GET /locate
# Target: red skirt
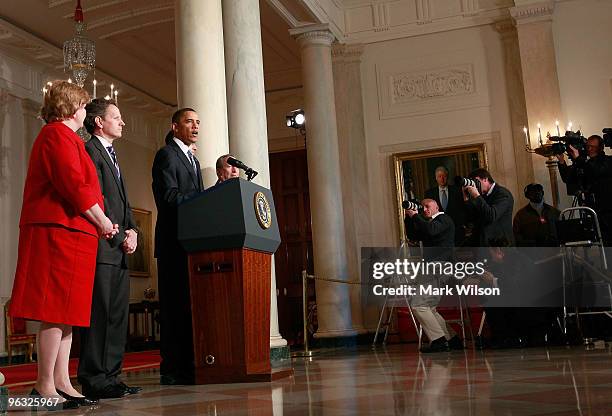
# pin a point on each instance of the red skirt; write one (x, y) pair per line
(55, 274)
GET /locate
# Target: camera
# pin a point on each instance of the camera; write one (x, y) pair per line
(411, 205)
(462, 182)
(575, 139)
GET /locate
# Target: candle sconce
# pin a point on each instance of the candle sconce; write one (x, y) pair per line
(554, 145)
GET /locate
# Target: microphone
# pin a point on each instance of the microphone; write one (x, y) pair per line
(251, 173)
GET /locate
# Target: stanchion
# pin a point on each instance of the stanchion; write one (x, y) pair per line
(307, 351)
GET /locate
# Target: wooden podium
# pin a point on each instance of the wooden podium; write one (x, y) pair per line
(230, 233)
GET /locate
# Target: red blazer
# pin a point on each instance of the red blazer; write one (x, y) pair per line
(62, 182)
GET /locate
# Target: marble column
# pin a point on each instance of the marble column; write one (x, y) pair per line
(326, 203)
(539, 67)
(353, 167)
(246, 106)
(200, 73)
(516, 100)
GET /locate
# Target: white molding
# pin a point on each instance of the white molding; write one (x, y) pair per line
(130, 14)
(285, 14)
(432, 84)
(533, 12)
(424, 26)
(315, 8)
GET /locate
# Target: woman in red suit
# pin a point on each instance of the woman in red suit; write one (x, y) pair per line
(62, 218)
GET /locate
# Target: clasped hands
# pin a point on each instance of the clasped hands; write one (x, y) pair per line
(108, 230)
(131, 241)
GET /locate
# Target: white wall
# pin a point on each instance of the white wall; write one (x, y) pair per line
(401, 123)
(583, 35)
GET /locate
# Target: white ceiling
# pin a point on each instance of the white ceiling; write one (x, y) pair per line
(135, 38)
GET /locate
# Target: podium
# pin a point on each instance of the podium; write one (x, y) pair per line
(230, 233)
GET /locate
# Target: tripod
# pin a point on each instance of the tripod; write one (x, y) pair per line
(389, 305)
(575, 233)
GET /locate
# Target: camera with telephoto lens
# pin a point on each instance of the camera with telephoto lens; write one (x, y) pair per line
(562, 143)
(413, 205)
(463, 182)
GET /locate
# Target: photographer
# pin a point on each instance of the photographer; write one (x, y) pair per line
(434, 228)
(490, 209)
(437, 231)
(591, 173)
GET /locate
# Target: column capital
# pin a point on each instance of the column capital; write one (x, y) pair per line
(504, 27)
(313, 35)
(347, 53)
(533, 12)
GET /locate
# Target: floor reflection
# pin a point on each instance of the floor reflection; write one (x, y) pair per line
(396, 381)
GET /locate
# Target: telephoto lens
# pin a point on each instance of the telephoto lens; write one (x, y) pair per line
(462, 182)
(412, 205)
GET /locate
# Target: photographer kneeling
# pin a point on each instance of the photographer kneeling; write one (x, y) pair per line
(591, 174)
(437, 232)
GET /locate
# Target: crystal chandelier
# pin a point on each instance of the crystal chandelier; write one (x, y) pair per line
(79, 52)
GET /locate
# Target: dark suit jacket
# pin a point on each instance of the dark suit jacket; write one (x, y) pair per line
(439, 232)
(455, 207)
(532, 230)
(116, 204)
(492, 216)
(437, 235)
(174, 182)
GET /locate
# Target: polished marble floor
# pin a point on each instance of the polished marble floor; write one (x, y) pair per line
(397, 381)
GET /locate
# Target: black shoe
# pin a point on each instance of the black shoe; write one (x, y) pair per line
(437, 345)
(455, 343)
(131, 389)
(65, 405)
(112, 391)
(82, 401)
(175, 380)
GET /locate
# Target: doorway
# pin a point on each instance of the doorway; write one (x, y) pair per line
(289, 183)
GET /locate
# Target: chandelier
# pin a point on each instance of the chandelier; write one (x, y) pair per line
(79, 52)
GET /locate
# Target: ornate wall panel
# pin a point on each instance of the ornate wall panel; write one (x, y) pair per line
(432, 84)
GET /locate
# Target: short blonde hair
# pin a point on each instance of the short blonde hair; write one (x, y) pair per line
(62, 100)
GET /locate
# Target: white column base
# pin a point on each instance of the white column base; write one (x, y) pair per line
(337, 333)
(277, 341)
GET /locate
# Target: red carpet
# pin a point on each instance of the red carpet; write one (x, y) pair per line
(24, 374)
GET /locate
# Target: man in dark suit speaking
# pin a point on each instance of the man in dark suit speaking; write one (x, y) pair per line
(437, 232)
(450, 201)
(176, 178)
(103, 343)
(490, 209)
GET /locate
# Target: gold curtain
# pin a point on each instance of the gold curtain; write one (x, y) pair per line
(420, 177)
(463, 164)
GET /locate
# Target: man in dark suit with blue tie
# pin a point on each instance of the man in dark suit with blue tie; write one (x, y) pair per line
(176, 178)
(103, 343)
(450, 201)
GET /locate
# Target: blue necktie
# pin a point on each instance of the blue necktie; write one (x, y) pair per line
(443, 199)
(111, 151)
